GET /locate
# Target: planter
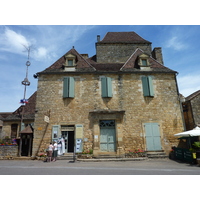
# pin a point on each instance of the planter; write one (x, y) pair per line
(85, 156)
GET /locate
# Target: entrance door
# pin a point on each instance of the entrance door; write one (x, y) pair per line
(107, 136)
(152, 136)
(69, 141)
(26, 144)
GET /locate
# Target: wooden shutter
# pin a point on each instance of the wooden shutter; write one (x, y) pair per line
(103, 87)
(109, 87)
(55, 132)
(145, 86)
(71, 87)
(106, 87)
(68, 87)
(151, 91)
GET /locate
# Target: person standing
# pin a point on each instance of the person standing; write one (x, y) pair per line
(50, 151)
(55, 151)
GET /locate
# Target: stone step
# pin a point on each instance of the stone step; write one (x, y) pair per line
(157, 154)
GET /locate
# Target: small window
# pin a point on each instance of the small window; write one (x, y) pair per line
(70, 62)
(144, 62)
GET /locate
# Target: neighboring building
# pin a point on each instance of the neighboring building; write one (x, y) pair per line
(17, 121)
(191, 110)
(121, 99)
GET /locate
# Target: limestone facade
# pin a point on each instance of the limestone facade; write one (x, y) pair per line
(130, 111)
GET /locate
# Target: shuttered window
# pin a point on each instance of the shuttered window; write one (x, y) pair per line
(68, 87)
(147, 84)
(106, 87)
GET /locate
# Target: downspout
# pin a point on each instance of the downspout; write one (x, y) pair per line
(180, 103)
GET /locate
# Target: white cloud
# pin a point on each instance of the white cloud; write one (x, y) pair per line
(175, 43)
(12, 41)
(188, 84)
(40, 53)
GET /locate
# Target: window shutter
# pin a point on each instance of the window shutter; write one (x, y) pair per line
(106, 87)
(103, 87)
(109, 87)
(55, 132)
(71, 87)
(68, 87)
(145, 86)
(151, 91)
(65, 87)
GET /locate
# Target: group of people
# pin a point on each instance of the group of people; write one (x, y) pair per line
(55, 149)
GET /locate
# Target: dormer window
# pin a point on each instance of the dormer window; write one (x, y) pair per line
(70, 62)
(143, 62)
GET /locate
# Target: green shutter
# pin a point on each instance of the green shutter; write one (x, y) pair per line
(106, 87)
(109, 87)
(55, 132)
(71, 87)
(145, 86)
(151, 91)
(66, 87)
(103, 87)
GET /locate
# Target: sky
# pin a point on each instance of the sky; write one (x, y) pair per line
(180, 48)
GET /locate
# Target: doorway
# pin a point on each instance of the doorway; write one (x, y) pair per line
(107, 136)
(26, 144)
(153, 140)
(69, 141)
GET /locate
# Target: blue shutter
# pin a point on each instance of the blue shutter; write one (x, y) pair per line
(151, 91)
(71, 87)
(109, 87)
(106, 87)
(103, 87)
(145, 86)
(55, 132)
(66, 87)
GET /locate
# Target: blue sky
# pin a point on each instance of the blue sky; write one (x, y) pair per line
(180, 47)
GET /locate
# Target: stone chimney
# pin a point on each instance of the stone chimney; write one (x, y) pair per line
(85, 55)
(98, 38)
(157, 54)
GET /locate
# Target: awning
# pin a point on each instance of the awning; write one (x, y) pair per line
(191, 133)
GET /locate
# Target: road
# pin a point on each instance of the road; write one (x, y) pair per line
(65, 167)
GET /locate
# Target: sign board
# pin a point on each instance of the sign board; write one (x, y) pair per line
(46, 119)
(79, 131)
(79, 145)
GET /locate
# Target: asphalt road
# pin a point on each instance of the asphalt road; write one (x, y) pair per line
(65, 167)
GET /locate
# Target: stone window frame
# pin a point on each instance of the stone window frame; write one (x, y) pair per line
(70, 57)
(143, 57)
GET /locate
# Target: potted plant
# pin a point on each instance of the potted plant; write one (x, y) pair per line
(197, 147)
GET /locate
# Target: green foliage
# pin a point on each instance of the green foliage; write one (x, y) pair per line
(196, 144)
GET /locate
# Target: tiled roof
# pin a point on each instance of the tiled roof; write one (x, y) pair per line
(29, 110)
(81, 63)
(123, 37)
(193, 95)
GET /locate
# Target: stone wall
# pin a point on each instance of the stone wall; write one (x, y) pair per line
(195, 103)
(128, 107)
(8, 152)
(118, 53)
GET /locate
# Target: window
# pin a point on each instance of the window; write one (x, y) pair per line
(14, 128)
(70, 62)
(147, 84)
(68, 87)
(144, 62)
(106, 87)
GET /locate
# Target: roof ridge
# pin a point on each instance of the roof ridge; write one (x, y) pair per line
(130, 58)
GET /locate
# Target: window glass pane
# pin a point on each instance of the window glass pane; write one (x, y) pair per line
(144, 62)
(70, 62)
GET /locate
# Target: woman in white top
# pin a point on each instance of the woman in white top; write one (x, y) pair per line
(50, 151)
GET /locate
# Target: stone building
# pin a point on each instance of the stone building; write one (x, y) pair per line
(121, 99)
(191, 110)
(13, 125)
